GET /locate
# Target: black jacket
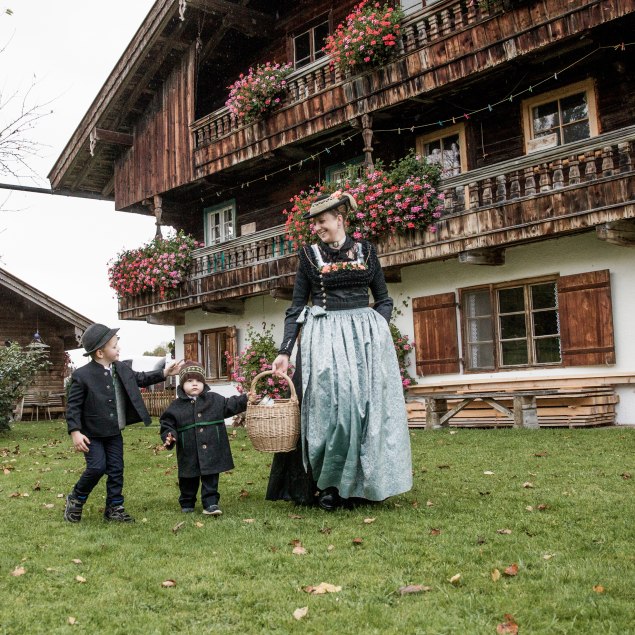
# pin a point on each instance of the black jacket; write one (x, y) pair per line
(335, 291)
(91, 406)
(202, 445)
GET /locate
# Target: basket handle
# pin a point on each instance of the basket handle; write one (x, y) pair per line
(252, 390)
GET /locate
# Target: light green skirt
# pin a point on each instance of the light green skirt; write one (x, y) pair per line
(354, 423)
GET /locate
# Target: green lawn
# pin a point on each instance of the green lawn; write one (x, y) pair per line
(565, 497)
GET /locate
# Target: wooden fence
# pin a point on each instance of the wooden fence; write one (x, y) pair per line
(156, 402)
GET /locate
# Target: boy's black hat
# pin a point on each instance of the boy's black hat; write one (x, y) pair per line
(96, 336)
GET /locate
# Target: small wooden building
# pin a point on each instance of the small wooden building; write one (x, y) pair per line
(528, 105)
(28, 316)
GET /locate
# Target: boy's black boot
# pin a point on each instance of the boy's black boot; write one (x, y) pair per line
(73, 509)
(117, 514)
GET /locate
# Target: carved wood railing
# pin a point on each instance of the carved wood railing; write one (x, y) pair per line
(420, 28)
(542, 172)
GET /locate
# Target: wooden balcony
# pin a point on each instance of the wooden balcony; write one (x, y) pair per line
(578, 187)
(443, 44)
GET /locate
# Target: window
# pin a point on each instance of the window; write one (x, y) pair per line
(307, 46)
(214, 345)
(220, 222)
(447, 148)
(352, 169)
(507, 326)
(560, 116)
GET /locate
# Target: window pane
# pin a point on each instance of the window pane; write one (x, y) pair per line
(479, 332)
(574, 108)
(451, 157)
(548, 350)
(481, 355)
(543, 296)
(319, 35)
(514, 352)
(511, 300)
(545, 118)
(478, 303)
(576, 132)
(513, 326)
(546, 323)
(302, 44)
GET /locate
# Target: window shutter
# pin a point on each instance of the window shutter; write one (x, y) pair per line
(190, 347)
(436, 340)
(586, 319)
(230, 334)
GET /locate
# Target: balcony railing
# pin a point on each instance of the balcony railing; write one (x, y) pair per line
(420, 28)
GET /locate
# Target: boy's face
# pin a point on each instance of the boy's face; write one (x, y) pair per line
(193, 387)
(108, 353)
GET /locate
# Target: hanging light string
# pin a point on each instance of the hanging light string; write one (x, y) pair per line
(439, 123)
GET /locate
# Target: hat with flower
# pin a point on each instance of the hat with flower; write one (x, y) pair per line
(328, 202)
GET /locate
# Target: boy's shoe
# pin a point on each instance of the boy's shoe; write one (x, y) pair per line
(212, 510)
(187, 510)
(117, 514)
(73, 509)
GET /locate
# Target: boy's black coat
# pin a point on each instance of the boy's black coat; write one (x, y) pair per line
(91, 406)
(201, 450)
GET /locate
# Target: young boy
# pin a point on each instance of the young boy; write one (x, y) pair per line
(103, 399)
(195, 421)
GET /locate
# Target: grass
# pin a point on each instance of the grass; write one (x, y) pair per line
(576, 564)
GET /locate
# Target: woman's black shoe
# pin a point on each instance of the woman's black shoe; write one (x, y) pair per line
(329, 500)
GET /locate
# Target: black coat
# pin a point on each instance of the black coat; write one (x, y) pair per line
(201, 449)
(91, 406)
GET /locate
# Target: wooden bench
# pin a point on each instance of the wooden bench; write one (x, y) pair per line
(524, 413)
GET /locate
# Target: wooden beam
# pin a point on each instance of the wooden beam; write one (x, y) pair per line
(488, 257)
(243, 19)
(232, 307)
(392, 275)
(619, 232)
(282, 293)
(167, 318)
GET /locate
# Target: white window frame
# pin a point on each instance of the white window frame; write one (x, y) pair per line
(350, 169)
(227, 227)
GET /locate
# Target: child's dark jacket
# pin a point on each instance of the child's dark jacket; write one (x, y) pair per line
(92, 406)
(202, 445)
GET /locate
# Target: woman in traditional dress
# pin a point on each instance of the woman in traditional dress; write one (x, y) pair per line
(354, 444)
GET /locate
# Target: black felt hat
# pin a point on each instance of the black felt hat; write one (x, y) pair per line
(328, 202)
(96, 336)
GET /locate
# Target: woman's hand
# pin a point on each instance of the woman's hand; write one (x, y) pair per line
(280, 364)
(173, 369)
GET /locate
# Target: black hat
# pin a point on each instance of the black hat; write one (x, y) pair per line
(327, 202)
(96, 336)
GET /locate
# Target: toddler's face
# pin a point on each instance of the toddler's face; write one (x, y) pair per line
(110, 350)
(193, 387)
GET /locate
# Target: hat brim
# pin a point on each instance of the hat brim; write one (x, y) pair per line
(329, 204)
(102, 342)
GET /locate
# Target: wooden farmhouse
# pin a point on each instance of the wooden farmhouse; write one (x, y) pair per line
(32, 318)
(528, 282)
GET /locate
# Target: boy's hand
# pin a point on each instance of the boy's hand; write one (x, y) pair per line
(80, 441)
(169, 440)
(173, 368)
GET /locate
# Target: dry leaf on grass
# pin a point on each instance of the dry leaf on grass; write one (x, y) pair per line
(243, 493)
(330, 548)
(504, 532)
(429, 504)
(548, 556)
(528, 485)
(295, 517)
(72, 620)
(166, 584)
(325, 530)
(199, 524)
(496, 575)
(301, 612)
(37, 487)
(322, 588)
(626, 475)
(368, 521)
(455, 579)
(509, 627)
(296, 542)
(413, 588)
(80, 579)
(598, 588)
(435, 532)
(488, 472)
(60, 496)
(542, 507)
(178, 526)
(358, 541)
(249, 520)
(511, 570)
(299, 551)
(76, 561)
(18, 571)
(48, 505)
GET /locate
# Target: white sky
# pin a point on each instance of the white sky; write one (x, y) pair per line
(62, 245)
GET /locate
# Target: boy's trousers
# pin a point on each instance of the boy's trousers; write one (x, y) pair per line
(189, 489)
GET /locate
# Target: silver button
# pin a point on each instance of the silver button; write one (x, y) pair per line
(199, 415)
(204, 447)
(200, 429)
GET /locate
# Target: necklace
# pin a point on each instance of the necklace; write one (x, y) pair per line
(334, 245)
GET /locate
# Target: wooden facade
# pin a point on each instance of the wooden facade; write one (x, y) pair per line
(476, 70)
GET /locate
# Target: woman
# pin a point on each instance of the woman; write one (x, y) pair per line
(355, 442)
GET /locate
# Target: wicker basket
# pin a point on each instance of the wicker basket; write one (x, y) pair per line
(273, 428)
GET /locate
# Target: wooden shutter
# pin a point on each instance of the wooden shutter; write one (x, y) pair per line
(230, 335)
(586, 319)
(436, 340)
(190, 347)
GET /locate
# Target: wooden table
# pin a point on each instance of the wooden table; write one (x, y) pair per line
(524, 413)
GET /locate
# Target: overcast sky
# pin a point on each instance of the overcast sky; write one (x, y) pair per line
(62, 245)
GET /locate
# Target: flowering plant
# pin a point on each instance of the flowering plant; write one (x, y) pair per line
(403, 347)
(258, 91)
(342, 266)
(395, 200)
(368, 39)
(160, 265)
(254, 359)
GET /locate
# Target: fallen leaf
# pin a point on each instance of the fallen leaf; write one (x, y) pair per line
(480, 540)
(488, 472)
(542, 507)
(243, 493)
(509, 627)
(76, 561)
(72, 620)
(429, 504)
(496, 575)
(511, 570)
(198, 523)
(415, 504)
(299, 551)
(300, 613)
(455, 579)
(322, 588)
(166, 584)
(548, 556)
(49, 569)
(14, 495)
(368, 521)
(505, 532)
(435, 532)
(358, 541)
(295, 516)
(48, 505)
(80, 579)
(325, 530)
(330, 548)
(296, 542)
(529, 508)
(178, 526)
(413, 588)
(6, 471)
(37, 487)
(598, 588)
(60, 495)
(273, 549)
(541, 453)
(444, 466)
(453, 432)
(626, 475)
(249, 520)
(18, 571)
(528, 485)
